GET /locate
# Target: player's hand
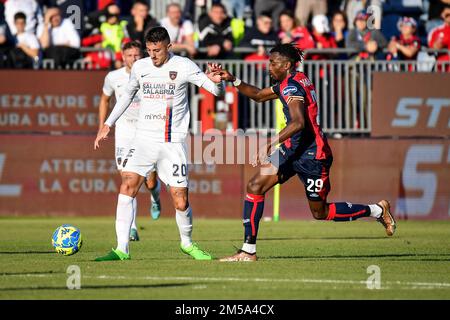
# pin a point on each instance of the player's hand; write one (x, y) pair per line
(213, 72)
(101, 135)
(226, 76)
(262, 157)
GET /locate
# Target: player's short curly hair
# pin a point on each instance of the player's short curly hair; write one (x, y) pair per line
(157, 34)
(290, 51)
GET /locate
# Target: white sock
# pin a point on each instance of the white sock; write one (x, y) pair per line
(133, 225)
(184, 222)
(375, 210)
(249, 248)
(124, 219)
(154, 193)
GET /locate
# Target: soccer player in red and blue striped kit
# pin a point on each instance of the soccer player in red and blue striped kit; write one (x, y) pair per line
(304, 151)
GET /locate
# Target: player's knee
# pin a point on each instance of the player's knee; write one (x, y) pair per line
(254, 187)
(181, 204)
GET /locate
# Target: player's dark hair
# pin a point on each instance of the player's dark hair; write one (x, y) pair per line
(157, 34)
(132, 44)
(290, 51)
(20, 15)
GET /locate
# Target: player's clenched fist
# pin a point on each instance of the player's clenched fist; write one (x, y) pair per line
(101, 135)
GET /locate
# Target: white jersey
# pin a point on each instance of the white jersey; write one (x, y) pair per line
(116, 82)
(164, 111)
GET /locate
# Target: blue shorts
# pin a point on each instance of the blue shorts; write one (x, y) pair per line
(313, 173)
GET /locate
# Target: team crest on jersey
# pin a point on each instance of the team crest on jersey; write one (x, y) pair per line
(289, 90)
(173, 74)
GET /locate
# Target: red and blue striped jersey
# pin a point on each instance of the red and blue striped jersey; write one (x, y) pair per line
(311, 139)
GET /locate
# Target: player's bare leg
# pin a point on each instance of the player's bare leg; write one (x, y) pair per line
(154, 186)
(344, 211)
(131, 182)
(183, 215)
(134, 236)
(257, 187)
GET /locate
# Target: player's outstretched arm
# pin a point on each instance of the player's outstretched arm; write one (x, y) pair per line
(101, 135)
(103, 110)
(254, 93)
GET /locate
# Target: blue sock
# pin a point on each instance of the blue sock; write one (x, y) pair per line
(344, 211)
(253, 211)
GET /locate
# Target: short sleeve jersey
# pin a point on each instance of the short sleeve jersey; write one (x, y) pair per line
(311, 139)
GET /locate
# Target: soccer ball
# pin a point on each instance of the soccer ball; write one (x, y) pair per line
(67, 239)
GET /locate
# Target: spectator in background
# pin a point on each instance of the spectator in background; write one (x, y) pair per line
(235, 8)
(30, 8)
(275, 7)
(114, 33)
(262, 34)
(323, 39)
(439, 37)
(305, 8)
(5, 46)
(140, 20)
(339, 30)
(27, 44)
(59, 38)
(434, 14)
(181, 31)
(368, 43)
(407, 45)
(291, 32)
(353, 7)
(215, 32)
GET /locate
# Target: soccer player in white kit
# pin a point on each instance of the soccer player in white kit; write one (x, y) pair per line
(162, 129)
(115, 83)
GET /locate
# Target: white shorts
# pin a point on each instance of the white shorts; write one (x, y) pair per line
(124, 135)
(168, 158)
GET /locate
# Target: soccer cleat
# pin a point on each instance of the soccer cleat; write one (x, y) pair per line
(114, 255)
(134, 236)
(241, 256)
(195, 252)
(387, 219)
(155, 209)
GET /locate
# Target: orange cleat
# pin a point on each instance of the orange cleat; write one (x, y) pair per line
(241, 256)
(387, 219)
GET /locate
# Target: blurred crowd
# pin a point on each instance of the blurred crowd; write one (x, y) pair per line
(74, 30)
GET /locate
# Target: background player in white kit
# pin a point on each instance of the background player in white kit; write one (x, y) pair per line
(115, 82)
(160, 137)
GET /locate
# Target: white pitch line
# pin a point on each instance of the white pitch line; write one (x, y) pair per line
(423, 285)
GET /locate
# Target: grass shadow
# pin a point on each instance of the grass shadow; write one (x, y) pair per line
(27, 252)
(370, 256)
(96, 287)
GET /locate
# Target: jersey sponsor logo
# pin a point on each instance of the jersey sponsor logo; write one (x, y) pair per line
(153, 116)
(289, 90)
(152, 90)
(173, 75)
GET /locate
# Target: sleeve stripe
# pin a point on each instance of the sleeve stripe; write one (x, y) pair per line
(292, 98)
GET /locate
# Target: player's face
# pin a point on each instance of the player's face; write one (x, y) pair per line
(130, 56)
(278, 66)
(158, 52)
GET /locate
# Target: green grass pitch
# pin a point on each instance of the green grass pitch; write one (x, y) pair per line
(297, 260)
